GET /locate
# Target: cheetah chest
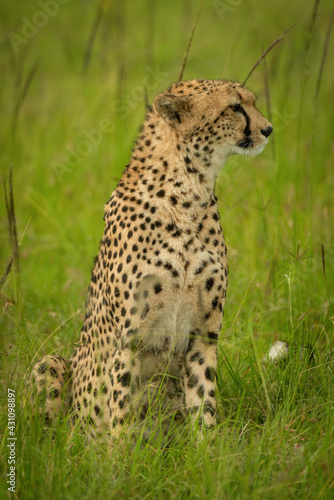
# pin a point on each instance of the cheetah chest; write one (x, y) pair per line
(192, 284)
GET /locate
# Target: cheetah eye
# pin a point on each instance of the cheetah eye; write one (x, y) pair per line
(235, 108)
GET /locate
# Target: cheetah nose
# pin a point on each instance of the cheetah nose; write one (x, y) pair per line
(267, 131)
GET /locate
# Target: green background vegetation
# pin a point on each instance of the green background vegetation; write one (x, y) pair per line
(91, 61)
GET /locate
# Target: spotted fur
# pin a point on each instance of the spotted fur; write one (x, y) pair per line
(157, 293)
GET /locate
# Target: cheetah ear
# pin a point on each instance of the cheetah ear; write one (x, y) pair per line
(173, 108)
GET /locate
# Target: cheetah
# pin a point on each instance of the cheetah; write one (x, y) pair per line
(157, 292)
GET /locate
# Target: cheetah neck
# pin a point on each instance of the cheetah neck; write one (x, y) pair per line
(166, 170)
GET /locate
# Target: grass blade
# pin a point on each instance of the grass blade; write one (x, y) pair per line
(10, 208)
(92, 36)
(323, 59)
(5, 276)
(190, 41)
(324, 269)
(151, 12)
(266, 52)
(305, 73)
(268, 100)
(22, 96)
(11, 218)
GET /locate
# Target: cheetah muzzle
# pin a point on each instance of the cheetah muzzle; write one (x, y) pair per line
(156, 298)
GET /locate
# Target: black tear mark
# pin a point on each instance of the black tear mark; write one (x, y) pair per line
(247, 130)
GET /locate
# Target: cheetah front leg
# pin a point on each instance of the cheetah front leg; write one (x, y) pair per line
(200, 380)
(50, 385)
(124, 383)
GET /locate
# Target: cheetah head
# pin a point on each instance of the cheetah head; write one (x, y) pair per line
(214, 119)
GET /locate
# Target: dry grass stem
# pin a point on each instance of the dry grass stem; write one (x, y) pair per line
(92, 36)
(324, 269)
(22, 96)
(266, 52)
(324, 55)
(189, 43)
(268, 101)
(10, 209)
(5, 276)
(146, 101)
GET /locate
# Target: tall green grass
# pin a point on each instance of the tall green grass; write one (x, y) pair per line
(95, 61)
